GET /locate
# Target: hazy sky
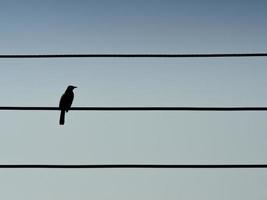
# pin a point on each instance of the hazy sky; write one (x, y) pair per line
(140, 26)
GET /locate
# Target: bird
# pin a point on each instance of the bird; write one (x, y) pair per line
(65, 103)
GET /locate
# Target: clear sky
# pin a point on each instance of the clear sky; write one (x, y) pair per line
(140, 26)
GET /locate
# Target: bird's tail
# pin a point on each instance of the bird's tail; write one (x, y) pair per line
(62, 117)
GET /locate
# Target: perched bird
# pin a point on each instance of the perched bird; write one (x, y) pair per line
(65, 103)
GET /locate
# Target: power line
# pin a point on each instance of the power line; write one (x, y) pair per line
(125, 108)
(136, 166)
(148, 55)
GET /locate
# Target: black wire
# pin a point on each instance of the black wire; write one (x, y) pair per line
(205, 55)
(156, 108)
(136, 166)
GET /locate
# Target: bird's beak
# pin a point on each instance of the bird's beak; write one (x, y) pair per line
(74, 87)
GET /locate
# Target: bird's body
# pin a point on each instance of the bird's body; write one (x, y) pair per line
(65, 103)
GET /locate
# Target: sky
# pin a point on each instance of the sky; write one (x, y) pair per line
(140, 26)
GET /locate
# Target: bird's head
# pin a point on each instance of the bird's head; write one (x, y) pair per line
(71, 87)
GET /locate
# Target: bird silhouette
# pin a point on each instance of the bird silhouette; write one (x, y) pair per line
(65, 103)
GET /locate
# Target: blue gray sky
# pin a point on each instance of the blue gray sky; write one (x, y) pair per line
(34, 137)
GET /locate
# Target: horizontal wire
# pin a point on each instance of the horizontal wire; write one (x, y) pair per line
(156, 108)
(196, 55)
(135, 166)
